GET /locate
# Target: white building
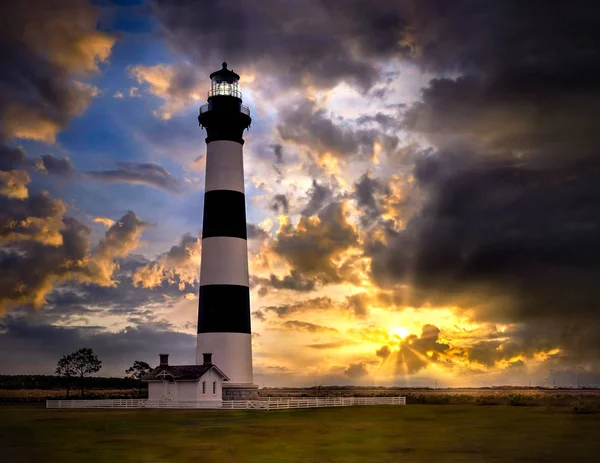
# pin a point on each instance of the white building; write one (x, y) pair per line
(185, 382)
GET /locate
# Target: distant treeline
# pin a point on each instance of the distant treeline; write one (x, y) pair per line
(421, 388)
(50, 382)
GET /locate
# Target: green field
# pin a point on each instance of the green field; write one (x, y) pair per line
(450, 433)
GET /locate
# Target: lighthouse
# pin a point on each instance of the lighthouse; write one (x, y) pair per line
(224, 300)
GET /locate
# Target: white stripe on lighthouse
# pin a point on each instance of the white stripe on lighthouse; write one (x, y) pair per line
(224, 261)
(224, 166)
(232, 353)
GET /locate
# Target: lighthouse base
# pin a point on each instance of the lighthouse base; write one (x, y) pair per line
(240, 391)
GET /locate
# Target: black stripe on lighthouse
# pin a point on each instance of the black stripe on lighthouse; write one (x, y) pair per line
(224, 214)
(224, 309)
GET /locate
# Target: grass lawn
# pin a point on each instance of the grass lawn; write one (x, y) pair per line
(415, 433)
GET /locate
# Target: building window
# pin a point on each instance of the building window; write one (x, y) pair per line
(214, 387)
(203, 387)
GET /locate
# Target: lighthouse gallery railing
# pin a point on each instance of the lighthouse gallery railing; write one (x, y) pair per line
(208, 107)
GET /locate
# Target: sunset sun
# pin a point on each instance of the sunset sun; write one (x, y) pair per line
(401, 332)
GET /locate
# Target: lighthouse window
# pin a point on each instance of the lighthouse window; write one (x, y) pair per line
(214, 387)
(203, 387)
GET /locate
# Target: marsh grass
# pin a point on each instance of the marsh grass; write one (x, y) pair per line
(450, 433)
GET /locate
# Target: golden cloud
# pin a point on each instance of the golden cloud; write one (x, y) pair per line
(178, 266)
(120, 239)
(45, 247)
(316, 245)
(24, 122)
(104, 221)
(28, 218)
(178, 85)
(13, 184)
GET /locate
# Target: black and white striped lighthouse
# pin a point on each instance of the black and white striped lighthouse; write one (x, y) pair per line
(224, 306)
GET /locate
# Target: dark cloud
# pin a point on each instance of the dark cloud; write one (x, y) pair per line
(42, 47)
(16, 159)
(505, 37)
(278, 152)
(47, 248)
(263, 291)
(311, 42)
(145, 173)
(522, 237)
(279, 204)
(317, 303)
(28, 271)
(72, 303)
(61, 167)
(512, 347)
(509, 226)
(329, 345)
(367, 191)
(297, 325)
(12, 158)
(504, 114)
(313, 246)
(356, 370)
(319, 195)
(256, 233)
(385, 121)
(295, 281)
(527, 81)
(35, 348)
(358, 303)
(28, 218)
(383, 353)
(304, 124)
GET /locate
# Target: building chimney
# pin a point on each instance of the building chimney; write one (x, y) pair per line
(164, 360)
(207, 359)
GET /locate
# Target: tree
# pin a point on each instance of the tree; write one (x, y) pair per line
(64, 367)
(138, 371)
(80, 363)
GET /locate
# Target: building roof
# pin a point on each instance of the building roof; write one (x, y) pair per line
(182, 372)
(226, 74)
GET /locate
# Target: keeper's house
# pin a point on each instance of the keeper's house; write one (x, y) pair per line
(185, 382)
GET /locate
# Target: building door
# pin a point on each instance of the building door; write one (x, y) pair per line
(169, 391)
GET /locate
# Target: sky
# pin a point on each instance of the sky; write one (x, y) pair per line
(422, 186)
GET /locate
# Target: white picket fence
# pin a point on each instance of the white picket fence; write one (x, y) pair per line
(282, 403)
(267, 403)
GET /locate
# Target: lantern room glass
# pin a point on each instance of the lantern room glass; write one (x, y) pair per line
(225, 87)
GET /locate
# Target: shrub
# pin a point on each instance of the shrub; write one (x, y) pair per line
(583, 408)
(519, 400)
(488, 400)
